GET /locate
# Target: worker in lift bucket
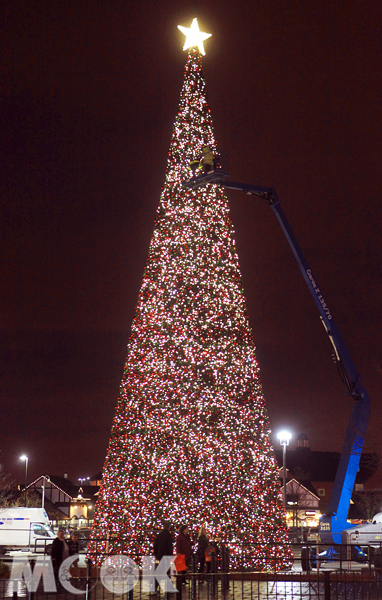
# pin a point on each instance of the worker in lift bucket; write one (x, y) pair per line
(195, 166)
(208, 159)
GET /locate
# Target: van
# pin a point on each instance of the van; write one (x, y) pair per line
(25, 529)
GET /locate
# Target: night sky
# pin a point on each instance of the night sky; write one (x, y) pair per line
(89, 93)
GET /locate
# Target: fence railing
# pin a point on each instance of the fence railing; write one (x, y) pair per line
(324, 579)
(238, 586)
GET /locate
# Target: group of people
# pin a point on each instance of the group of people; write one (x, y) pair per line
(62, 549)
(163, 546)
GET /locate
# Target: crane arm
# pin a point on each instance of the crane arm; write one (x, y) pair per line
(333, 523)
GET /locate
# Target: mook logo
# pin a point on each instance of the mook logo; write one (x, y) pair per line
(119, 574)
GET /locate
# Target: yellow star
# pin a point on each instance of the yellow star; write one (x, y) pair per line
(194, 37)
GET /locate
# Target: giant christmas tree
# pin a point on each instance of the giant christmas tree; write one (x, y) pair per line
(190, 438)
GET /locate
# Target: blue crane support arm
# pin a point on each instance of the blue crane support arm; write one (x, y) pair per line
(332, 524)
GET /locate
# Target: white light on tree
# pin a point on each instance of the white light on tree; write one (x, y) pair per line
(194, 37)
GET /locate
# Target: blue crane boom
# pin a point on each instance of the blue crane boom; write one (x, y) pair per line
(334, 522)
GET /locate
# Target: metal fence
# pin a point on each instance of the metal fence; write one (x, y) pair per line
(338, 580)
(241, 586)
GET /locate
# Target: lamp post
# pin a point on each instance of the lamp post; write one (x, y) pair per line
(284, 437)
(25, 458)
(45, 478)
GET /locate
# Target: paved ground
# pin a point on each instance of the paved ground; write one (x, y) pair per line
(352, 588)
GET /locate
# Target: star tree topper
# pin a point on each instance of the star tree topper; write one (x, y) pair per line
(194, 37)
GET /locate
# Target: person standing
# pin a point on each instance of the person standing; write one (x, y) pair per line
(73, 544)
(208, 159)
(203, 546)
(163, 545)
(60, 551)
(163, 542)
(183, 546)
(74, 548)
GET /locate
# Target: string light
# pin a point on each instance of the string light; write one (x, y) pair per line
(190, 440)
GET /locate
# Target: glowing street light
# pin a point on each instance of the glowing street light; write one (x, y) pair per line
(284, 436)
(82, 479)
(25, 458)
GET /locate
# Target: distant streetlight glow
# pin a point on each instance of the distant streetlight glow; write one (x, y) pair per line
(82, 479)
(284, 437)
(25, 458)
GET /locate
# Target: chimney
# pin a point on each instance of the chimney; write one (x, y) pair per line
(302, 441)
(65, 475)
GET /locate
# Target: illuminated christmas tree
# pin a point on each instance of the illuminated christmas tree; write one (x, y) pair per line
(190, 439)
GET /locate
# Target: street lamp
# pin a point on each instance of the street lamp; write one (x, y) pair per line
(284, 437)
(24, 457)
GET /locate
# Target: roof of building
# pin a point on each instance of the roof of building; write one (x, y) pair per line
(67, 486)
(307, 464)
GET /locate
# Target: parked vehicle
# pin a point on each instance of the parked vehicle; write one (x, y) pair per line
(313, 535)
(25, 529)
(361, 543)
(369, 534)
